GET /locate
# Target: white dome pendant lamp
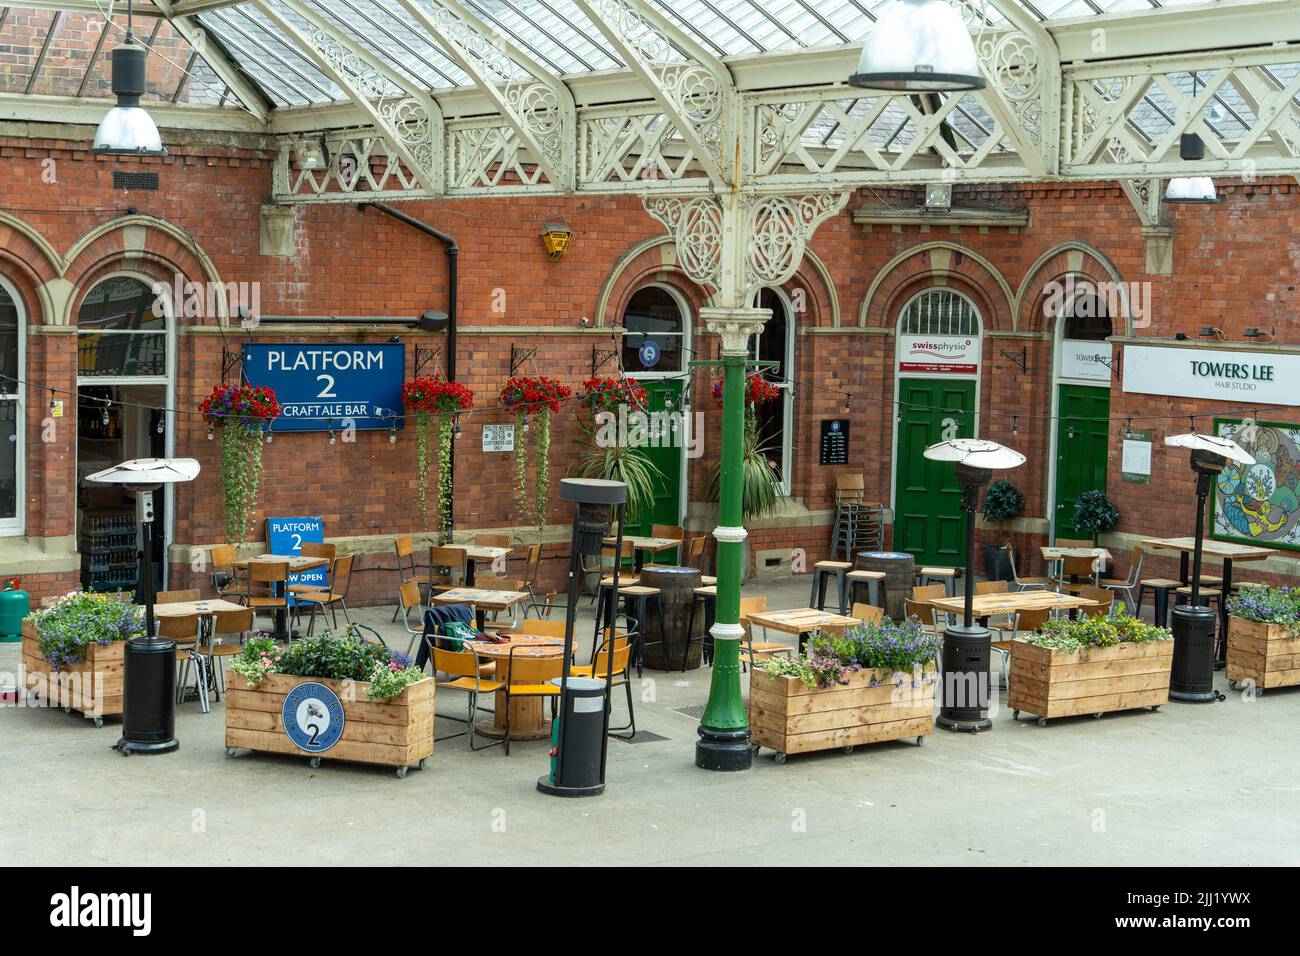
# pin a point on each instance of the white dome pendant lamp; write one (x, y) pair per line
(919, 46)
(127, 129)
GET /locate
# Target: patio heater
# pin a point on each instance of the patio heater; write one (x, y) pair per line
(149, 662)
(968, 647)
(579, 734)
(1191, 678)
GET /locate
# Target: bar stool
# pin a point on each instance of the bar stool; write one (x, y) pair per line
(636, 600)
(1160, 589)
(859, 579)
(945, 576)
(1207, 595)
(822, 572)
(706, 598)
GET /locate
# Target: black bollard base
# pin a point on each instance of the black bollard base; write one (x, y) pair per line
(1191, 677)
(724, 750)
(965, 687)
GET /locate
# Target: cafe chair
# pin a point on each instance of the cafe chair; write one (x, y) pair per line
(405, 551)
(628, 553)
(1127, 587)
(176, 597)
(636, 599)
(622, 666)
(336, 594)
(228, 624)
(531, 677)
(466, 674)
(998, 621)
(408, 600)
(705, 601)
(924, 612)
(532, 569)
(823, 572)
(1022, 622)
(673, 532)
(693, 557)
(267, 581)
(1075, 568)
(1105, 600)
(757, 650)
(868, 614)
(312, 549)
(186, 632)
(226, 580)
(540, 628)
(1026, 584)
(447, 569)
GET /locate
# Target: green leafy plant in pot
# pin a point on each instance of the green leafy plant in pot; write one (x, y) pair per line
(1003, 502)
(1094, 513)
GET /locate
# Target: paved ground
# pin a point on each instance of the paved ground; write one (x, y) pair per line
(1190, 784)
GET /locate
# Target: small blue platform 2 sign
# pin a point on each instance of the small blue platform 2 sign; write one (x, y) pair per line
(313, 717)
(330, 385)
(286, 536)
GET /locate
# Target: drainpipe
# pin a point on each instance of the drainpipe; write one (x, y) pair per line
(453, 257)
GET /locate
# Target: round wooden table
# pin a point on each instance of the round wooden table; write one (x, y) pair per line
(527, 714)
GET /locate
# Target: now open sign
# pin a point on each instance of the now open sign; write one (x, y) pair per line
(326, 385)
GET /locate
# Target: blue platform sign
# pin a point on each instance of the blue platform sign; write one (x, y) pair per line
(286, 536)
(312, 716)
(329, 385)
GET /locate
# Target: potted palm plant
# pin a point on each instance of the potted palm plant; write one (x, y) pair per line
(607, 453)
(1002, 503)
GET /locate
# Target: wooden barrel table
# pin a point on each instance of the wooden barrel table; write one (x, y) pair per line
(899, 568)
(676, 596)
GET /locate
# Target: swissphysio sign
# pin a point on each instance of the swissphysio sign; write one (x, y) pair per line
(325, 385)
(1265, 378)
(939, 354)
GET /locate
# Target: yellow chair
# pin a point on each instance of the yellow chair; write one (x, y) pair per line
(466, 672)
(1104, 597)
(1023, 622)
(227, 624)
(176, 597)
(531, 677)
(266, 583)
(336, 593)
(186, 632)
(225, 574)
(447, 568)
(757, 650)
(405, 549)
(621, 664)
(868, 613)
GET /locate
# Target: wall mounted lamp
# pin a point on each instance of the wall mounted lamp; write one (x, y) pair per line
(555, 238)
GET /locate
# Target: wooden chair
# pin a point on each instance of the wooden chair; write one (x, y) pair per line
(622, 667)
(1026, 621)
(868, 613)
(187, 633)
(226, 624)
(849, 488)
(226, 578)
(315, 549)
(693, 557)
(531, 677)
(408, 600)
(672, 531)
(1075, 543)
(923, 611)
(467, 674)
(336, 594)
(1002, 621)
(267, 581)
(757, 650)
(176, 597)
(405, 567)
(494, 578)
(1105, 600)
(1029, 583)
(1127, 587)
(446, 569)
(1073, 568)
(532, 570)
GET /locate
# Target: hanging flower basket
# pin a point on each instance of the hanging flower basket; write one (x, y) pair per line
(536, 396)
(433, 398)
(758, 391)
(242, 415)
(602, 394)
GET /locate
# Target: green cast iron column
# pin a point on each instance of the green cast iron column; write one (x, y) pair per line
(724, 726)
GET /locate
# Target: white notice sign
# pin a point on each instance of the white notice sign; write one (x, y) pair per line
(1266, 378)
(498, 437)
(1089, 361)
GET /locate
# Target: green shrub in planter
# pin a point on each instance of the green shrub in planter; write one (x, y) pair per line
(1094, 513)
(1003, 502)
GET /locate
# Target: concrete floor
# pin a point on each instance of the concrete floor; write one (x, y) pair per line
(1190, 784)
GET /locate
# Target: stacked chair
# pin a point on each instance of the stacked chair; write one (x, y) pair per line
(859, 524)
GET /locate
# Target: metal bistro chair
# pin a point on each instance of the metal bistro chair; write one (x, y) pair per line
(447, 569)
(185, 631)
(405, 550)
(225, 574)
(532, 570)
(337, 593)
(176, 597)
(1026, 621)
(1030, 583)
(868, 614)
(1127, 587)
(313, 549)
(267, 581)
(494, 578)
(237, 624)
(758, 650)
(467, 675)
(622, 667)
(1076, 567)
(531, 677)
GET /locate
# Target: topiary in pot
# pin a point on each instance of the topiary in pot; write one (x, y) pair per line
(1094, 513)
(1002, 502)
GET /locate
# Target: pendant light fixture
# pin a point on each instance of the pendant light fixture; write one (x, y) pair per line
(127, 129)
(1191, 189)
(919, 46)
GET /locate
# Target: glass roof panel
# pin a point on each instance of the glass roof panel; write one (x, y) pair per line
(405, 46)
(22, 37)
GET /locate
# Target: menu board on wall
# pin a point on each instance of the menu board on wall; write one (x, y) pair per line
(1135, 463)
(835, 441)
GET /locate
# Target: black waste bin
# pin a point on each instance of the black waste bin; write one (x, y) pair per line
(149, 697)
(578, 741)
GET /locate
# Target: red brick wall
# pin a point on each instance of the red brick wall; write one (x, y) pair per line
(1232, 268)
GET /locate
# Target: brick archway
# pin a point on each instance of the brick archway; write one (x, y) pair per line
(941, 264)
(1065, 267)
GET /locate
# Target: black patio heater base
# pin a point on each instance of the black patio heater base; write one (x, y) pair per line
(724, 750)
(546, 785)
(965, 689)
(148, 697)
(1191, 678)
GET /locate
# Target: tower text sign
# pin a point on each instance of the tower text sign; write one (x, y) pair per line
(1269, 378)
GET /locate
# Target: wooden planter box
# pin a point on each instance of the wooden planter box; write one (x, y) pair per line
(395, 733)
(1262, 653)
(788, 716)
(1096, 680)
(93, 687)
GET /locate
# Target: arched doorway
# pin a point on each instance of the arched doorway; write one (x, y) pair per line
(124, 376)
(937, 372)
(1081, 424)
(656, 343)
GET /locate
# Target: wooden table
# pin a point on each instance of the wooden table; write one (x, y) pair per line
(527, 714)
(642, 544)
(1101, 556)
(297, 564)
(800, 621)
(985, 606)
(206, 608)
(475, 553)
(483, 600)
(1227, 552)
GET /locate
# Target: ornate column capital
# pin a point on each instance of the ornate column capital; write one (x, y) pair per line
(735, 326)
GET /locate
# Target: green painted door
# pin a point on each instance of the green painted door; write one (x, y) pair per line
(666, 454)
(1082, 442)
(928, 520)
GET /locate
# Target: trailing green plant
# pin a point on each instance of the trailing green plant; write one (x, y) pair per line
(1279, 606)
(538, 396)
(1094, 513)
(341, 657)
(1075, 635)
(67, 628)
(435, 400)
(242, 415)
(1003, 502)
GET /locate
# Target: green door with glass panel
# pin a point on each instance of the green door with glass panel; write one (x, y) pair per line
(928, 520)
(1082, 443)
(665, 452)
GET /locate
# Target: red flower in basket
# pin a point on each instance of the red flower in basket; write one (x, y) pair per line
(529, 394)
(758, 390)
(252, 407)
(603, 394)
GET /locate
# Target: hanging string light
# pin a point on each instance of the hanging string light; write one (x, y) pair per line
(333, 440)
(54, 406)
(160, 427)
(1015, 424)
(392, 430)
(268, 436)
(103, 417)
(455, 432)
(212, 432)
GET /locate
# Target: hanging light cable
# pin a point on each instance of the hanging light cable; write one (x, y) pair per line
(1190, 190)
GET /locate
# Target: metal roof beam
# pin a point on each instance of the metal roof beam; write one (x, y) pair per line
(249, 93)
(693, 86)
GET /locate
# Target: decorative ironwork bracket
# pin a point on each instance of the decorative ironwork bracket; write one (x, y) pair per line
(518, 357)
(1021, 361)
(423, 357)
